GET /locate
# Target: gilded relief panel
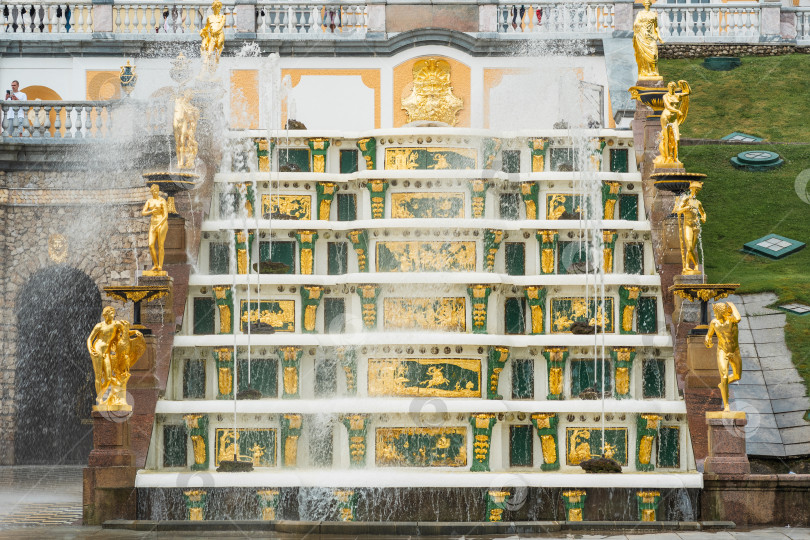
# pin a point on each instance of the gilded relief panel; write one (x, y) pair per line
(427, 205)
(426, 257)
(287, 206)
(270, 316)
(443, 314)
(439, 377)
(255, 445)
(421, 447)
(399, 159)
(585, 443)
(563, 206)
(580, 315)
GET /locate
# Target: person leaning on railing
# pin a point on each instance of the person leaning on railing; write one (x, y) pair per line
(15, 95)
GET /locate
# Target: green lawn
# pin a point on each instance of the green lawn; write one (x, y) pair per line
(766, 96)
(742, 206)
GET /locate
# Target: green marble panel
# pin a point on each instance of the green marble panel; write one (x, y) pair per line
(510, 161)
(174, 445)
(669, 447)
(219, 258)
(628, 207)
(334, 315)
(515, 315)
(421, 447)
(293, 159)
(279, 252)
(203, 316)
(255, 445)
(348, 161)
(587, 374)
(194, 379)
(515, 258)
(337, 255)
(619, 160)
(647, 315)
(654, 378)
(634, 258)
(584, 443)
(521, 440)
(509, 206)
(263, 375)
(523, 379)
(347, 206)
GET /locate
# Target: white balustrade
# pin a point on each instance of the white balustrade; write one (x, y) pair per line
(27, 120)
(556, 17)
(144, 17)
(43, 17)
(738, 22)
(338, 18)
(803, 25)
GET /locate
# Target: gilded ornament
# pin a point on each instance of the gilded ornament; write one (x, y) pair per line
(213, 36)
(645, 43)
(199, 449)
(57, 248)
(725, 325)
(436, 377)
(158, 211)
(555, 381)
(443, 314)
(114, 349)
(288, 206)
(645, 449)
(225, 381)
(690, 215)
(676, 107)
(549, 446)
(432, 96)
(623, 380)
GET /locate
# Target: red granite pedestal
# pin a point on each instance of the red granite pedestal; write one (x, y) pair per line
(109, 478)
(726, 444)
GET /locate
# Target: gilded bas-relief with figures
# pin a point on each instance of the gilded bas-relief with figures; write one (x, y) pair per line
(436, 377)
(276, 316)
(426, 257)
(427, 205)
(443, 314)
(563, 206)
(568, 314)
(287, 206)
(255, 445)
(585, 443)
(421, 447)
(399, 159)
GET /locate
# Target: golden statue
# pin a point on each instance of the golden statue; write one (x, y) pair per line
(157, 208)
(213, 36)
(690, 215)
(676, 107)
(645, 43)
(114, 348)
(432, 96)
(728, 347)
(186, 116)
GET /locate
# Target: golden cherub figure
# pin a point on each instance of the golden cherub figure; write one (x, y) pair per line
(114, 348)
(690, 215)
(676, 107)
(725, 325)
(645, 43)
(213, 36)
(158, 210)
(184, 123)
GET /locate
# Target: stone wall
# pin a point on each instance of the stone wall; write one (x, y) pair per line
(691, 50)
(103, 235)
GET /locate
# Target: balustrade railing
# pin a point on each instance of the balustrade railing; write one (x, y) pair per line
(337, 18)
(556, 17)
(144, 17)
(803, 25)
(723, 22)
(17, 17)
(56, 119)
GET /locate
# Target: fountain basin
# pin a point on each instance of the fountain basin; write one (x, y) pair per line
(675, 181)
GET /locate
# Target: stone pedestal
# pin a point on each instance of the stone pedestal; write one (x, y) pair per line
(160, 310)
(701, 362)
(686, 310)
(727, 454)
(109, 479)
(175, 246)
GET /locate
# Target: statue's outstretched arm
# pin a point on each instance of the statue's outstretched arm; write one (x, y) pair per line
(734, 312)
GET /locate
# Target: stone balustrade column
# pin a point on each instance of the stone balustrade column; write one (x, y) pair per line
(487, 15)
(102, 16)
(623, 16)
(376, 16)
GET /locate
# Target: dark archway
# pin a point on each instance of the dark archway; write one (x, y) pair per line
(54, 382)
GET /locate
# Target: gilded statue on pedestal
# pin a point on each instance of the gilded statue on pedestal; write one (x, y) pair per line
(676, 107)
(432, 96)
(645, 43)
(186, 116)
(725, 325)
(157, 208)
(213, 36)
(690, 215)
(114, 348)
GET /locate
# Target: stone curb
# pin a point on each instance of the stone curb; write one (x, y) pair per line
(412, 528)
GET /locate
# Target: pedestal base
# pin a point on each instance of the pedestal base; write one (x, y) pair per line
(702, 363)
(727, 454)
(685, 310)
(109, 480)
(175, 245)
